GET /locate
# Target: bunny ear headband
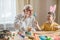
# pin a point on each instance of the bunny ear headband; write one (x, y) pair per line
(52, 8)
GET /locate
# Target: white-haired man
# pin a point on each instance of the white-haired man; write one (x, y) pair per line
(26, 19)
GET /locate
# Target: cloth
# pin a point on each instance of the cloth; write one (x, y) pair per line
(50, 27)
(25, 22)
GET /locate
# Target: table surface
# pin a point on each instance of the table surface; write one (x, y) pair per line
(17, 37)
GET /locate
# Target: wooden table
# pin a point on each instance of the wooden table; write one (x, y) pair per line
(47, 32)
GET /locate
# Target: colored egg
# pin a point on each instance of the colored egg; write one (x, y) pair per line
(48, 38)
(42, 37)
(57, 38)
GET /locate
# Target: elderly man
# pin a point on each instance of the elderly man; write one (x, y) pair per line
(26, 19)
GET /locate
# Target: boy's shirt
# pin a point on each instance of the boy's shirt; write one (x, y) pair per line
(49, 27)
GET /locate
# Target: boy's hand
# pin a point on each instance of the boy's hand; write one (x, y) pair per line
(36, 24)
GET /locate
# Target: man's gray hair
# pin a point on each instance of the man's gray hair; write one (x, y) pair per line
(27, 7)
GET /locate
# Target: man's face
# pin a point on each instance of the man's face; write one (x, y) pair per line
(50, 17)
(28, 13)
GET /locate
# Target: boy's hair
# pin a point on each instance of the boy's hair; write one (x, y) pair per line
(53, 14)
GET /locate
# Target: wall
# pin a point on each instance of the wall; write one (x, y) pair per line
(20, 5)
(58, 11)
(42, 8)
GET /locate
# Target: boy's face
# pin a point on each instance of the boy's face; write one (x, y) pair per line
(50, 18)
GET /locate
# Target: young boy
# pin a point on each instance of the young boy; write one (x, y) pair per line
(50, 25)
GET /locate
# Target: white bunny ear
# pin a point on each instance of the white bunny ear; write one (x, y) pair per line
(51, 8)
(54, 8)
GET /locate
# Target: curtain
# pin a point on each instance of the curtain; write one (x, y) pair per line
(7, 11)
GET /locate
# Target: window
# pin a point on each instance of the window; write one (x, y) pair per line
(7, 11)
